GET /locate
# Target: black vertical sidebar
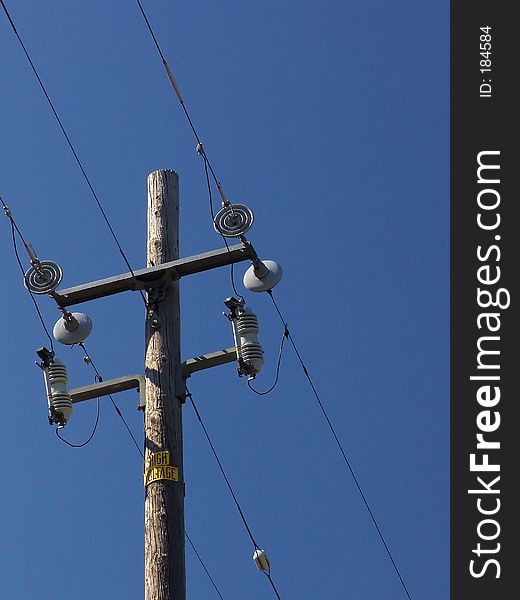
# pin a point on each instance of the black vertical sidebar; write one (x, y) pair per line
(485, 261)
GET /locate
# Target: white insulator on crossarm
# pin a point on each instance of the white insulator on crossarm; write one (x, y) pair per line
(60, 403)
(72, 328)
(249, 347)
(262, 275)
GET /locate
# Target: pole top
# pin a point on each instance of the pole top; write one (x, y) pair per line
(164, 171)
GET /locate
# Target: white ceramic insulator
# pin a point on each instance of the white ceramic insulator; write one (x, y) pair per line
(261, 560)
(73, 332)
(250, 349)
(60, 397)
(264, 277)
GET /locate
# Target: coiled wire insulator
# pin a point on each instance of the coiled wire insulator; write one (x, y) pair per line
(233, 220)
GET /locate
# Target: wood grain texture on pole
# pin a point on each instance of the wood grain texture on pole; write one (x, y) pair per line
(165, 577)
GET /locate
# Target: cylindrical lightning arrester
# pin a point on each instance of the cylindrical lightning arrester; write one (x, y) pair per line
(245, 331)
(56, 379)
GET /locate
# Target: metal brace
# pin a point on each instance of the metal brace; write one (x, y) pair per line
(200, 363)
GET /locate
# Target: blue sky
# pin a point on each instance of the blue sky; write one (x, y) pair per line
(331, 121)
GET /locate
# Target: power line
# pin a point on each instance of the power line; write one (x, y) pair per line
(268, 575)
(210, 196)
(15, 230)
(230, 488)
(88, 359)
(37, 308)
(333, 431)
(67, 138)
(207, 165)
(200, 147)
(237, 503)
(9, 215)
(203, 565)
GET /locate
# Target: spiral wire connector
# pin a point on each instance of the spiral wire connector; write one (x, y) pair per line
(43, 277)
(261, 560)
(233, 220)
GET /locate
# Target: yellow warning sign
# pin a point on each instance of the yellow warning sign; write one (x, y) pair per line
(158, 459)
(158, 467)
(157, 473)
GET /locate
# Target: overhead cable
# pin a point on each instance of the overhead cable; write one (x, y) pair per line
(340, 446)
(15, 230)
(210, 196)
(230, 488)
(200, 147)
(176, 89)
(203, 565)
(67, 138)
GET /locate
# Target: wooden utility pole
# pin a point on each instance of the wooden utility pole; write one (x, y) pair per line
(165, 577)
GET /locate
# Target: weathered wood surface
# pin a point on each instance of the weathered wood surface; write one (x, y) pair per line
(165, 577)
